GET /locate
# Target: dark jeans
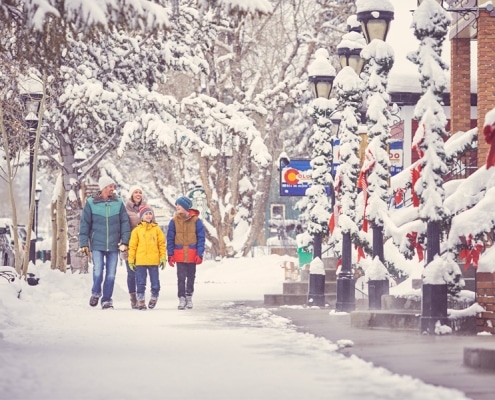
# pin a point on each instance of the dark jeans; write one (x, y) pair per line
(131, 278)
(186, 273)
(141, 275)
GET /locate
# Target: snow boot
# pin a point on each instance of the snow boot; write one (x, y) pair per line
(189, 303)
(134, 305)
(182, 303)
(106, 305)
(152, 302)
(141, 305)
(93, 301)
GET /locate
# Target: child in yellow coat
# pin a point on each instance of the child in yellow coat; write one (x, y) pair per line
(147, 253)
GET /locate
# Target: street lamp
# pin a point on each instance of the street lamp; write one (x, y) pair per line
(432, 165)
(321, 75)
(375, 17)
(349, 51)
(32, 102)
(37, 197)
(349, 92)
(375, 21)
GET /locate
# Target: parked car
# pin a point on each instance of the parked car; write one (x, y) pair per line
(7, 255)
(7, 252)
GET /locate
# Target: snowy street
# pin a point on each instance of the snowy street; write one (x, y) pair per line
(57, 347)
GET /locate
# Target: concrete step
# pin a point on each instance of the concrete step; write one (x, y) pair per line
(330, 275)
(330, 262)
(302, 287)
(403, 320)
(480, 357)
(295, 299)
(409, 320)
(400, 303)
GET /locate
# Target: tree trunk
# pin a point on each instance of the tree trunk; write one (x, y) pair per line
(73, 206)
(61, 232)
(10, 179)
(53, 215)
(258, 211)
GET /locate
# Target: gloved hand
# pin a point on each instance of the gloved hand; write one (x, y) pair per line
(122, 247)
(198, 260)
(84, 251)
(171, 261)
(124, 255)
(163, 263)
(132, 266)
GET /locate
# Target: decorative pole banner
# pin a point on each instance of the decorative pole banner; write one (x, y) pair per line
(489, 133)
(362, 183)
(416, 171)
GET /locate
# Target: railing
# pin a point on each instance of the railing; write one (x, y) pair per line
(461, 167)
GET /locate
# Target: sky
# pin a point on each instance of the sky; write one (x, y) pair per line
(54, 346)
(404, 75)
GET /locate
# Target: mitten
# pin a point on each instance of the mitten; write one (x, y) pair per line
(171, 261)
(163, 263)
(198, 260)
(84, 251)
(132, 266)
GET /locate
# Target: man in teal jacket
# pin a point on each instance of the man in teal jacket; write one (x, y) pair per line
(105, 229)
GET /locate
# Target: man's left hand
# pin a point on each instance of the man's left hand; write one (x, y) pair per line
(122, 247)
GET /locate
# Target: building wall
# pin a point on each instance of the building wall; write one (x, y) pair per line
(486, 76)
(460, 84)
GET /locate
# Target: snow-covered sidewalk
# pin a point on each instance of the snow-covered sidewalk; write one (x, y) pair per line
(55, 346)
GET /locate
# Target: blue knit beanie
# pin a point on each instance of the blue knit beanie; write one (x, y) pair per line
(184, 202)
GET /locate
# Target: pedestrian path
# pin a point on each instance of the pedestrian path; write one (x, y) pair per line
(436, 360)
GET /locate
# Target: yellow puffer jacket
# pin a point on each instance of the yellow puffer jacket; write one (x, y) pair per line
(147, 245)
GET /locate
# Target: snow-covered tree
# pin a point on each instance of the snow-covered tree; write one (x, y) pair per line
(430, 23)
(375, 174)
(14, 139)
(317, 204)
(242, 109)
(208, 99)
(349, 90)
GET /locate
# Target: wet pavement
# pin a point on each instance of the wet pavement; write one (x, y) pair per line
(433, 359)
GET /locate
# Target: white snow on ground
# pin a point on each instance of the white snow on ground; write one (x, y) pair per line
(53, 346)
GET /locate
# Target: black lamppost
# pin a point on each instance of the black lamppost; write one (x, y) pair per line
(32, 101)
(375, 18)
(349, 50)
(321, 75)
(37, 197)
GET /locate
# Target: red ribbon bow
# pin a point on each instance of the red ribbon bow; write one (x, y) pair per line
(361, 254)
(471, 253)
(413, 239)
(399, 196)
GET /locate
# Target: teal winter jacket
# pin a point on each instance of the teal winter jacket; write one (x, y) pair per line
(104, 224)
